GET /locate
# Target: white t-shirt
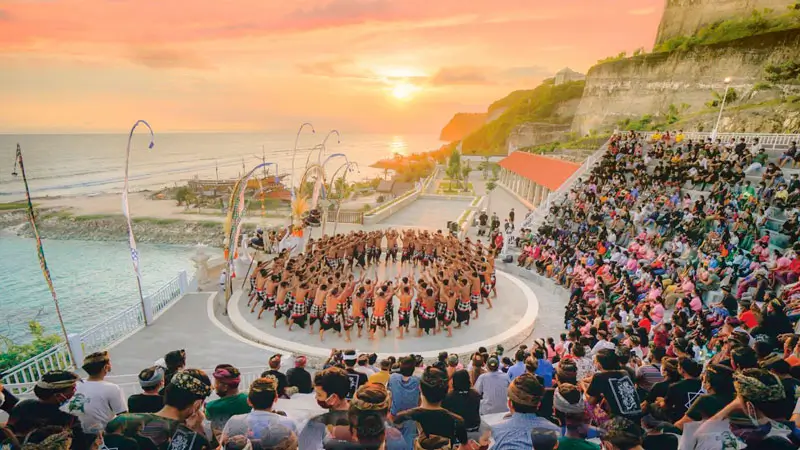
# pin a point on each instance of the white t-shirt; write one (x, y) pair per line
(96, 403)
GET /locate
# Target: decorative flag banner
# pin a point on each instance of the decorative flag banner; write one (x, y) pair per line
(40, 247)
(126, 211)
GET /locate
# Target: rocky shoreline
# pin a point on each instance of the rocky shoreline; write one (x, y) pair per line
(60, 224)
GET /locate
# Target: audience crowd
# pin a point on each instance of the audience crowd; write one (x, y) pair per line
(680, 261)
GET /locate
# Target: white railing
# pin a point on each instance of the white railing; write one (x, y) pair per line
(112, 330)
(102, 335)
(21, 377)
(166, 294)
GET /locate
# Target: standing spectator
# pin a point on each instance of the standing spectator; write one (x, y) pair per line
(511, 216)
(465, 402)
(382, 377)
(230, 402)
(299, 377)
(52, 390)
(97, 401)
(524, 397)
(404, 387)
(181, 419)
(274, 370)
(258, 424)
(493, 387)
(151, 380)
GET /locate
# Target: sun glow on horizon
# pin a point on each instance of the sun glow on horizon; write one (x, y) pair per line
(404, 91)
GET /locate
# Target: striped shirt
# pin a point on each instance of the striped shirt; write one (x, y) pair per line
(493, 386)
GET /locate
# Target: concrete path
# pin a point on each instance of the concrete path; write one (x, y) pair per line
(186, 325)
(428, 213)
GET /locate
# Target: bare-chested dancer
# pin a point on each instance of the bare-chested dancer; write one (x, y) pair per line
(391, 245)
(270, 291)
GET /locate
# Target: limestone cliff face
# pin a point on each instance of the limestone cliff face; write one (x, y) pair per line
(685, 17)
(461, 125)
(648, 84)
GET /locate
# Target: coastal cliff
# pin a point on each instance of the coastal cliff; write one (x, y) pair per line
(648, 84)
(686, 17)
(461, 125)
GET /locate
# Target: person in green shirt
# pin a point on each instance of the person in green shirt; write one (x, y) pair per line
(230, 402)
(570, 411)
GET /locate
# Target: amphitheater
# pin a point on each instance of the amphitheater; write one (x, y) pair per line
(190, 314)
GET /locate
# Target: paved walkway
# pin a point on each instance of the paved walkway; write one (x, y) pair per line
(186, 325)
(428, 213)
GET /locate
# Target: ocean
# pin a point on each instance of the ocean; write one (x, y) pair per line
(85, 164)
(93, 280)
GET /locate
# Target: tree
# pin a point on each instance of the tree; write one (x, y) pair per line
(485, 167)
(490, 186)
(14, 354)
(454, 165)
(465, 175)
(183, 195)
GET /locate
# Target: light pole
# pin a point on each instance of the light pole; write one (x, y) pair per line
(721, 107)
(294, 152)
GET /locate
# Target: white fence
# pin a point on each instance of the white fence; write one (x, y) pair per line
(114, 329)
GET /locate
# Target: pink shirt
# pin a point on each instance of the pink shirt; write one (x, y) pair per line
(696, 304)
(657, 313)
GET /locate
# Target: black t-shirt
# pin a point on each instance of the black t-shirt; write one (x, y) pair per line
(705, 406)
(731, 304)
(663, 441)
(659, 390)
(141, 403)
(119, 442)
(546, 407)
(357, 379)
(618, 390)
(301, 379)
(791, 386)
(31, 414)
(465, 404)
(681, 395)
(436, 422)
(282, 382)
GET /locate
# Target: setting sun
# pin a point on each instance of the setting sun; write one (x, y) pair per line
(404, 91)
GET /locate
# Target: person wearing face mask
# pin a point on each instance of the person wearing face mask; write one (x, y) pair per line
(180, 421)
(97, 401)
(330, 390)
(746, 420)
(230, 402)
(52, 391)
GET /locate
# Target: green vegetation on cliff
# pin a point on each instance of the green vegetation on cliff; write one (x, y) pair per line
(461, 125)
(758, 22)
(535, 105)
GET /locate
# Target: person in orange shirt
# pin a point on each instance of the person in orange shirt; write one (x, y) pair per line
(748, 317)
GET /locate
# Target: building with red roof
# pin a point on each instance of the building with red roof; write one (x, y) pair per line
(533, 177)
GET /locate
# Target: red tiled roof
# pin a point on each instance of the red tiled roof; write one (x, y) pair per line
(548, 172)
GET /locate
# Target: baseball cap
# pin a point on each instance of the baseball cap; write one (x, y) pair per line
(492, 363)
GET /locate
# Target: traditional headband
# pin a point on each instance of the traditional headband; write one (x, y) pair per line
(56, 385)
(158, 376)
(751, 388)
(189, 383)
(368, 406)
(563, 405)
(58, 441)
(229, 376)
(264, 384)
(517, 395)
(349, 357)
(96, 357)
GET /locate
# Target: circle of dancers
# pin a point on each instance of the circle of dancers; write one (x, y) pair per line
(441, 283)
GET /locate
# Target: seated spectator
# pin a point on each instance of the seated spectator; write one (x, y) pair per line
(367, 418)
(404, 387)
(231, 402)
(622, 434)
(570, 411)
(298, 377)
(151, 380)
(436, 423)
(52, 390)
(524, 398)
(258, 424)
(465, 402)
(181, 418)
(718, 385)
(614, 386)
(493, 388)
(274, 371)
(331, 386)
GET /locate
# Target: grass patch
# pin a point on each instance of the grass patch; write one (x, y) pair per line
(209, 224)
(92, 217)
(156, 221)
(12, 206)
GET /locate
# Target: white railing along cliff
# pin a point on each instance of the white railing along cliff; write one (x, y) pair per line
(100, 336)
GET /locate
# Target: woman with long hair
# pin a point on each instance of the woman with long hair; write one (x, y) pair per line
(477, 368)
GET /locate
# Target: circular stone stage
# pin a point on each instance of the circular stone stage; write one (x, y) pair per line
(509, 322)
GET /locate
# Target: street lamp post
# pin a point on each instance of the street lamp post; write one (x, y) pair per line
(721, 107)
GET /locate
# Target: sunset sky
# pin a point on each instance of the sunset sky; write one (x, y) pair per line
(381, 66)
